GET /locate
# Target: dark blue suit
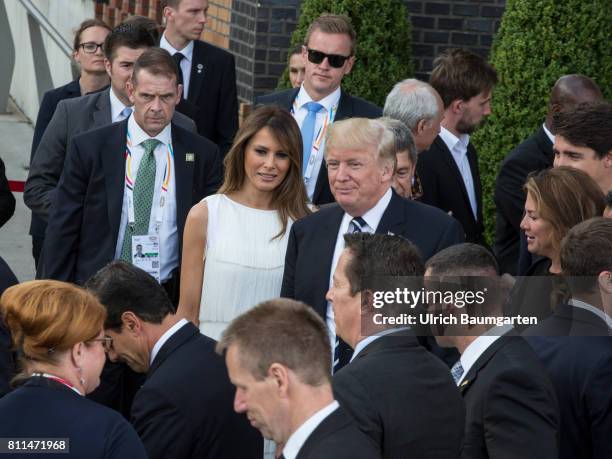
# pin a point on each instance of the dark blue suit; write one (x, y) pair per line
(348, 107)
(185, 407)
(46, 409)
(48, 105)
(580, 368)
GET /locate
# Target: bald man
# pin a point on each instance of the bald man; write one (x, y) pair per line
(533, 154)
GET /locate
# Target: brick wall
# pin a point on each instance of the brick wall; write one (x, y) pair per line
(217, 31)
(113, 12)
(438, 25)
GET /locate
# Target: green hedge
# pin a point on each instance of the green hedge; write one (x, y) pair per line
(538, 41)
(384, 44)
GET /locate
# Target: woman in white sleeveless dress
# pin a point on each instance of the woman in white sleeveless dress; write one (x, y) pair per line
(235, 241)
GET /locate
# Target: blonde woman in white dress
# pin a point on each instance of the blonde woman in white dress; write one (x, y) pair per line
(235, 241)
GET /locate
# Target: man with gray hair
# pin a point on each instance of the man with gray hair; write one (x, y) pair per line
(419, 106)
(360, 156)
(405, 155)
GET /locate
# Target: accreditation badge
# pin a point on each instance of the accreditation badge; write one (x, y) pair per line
(145, 254)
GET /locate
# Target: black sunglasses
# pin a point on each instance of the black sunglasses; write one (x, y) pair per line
(335, 60)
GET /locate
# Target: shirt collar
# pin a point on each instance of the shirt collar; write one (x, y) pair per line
(187, 51)
(361, 345)
(138, 135)
(477, 347)
(328, 101)
(548, 133)
(373, 216)
(116, 105)
(165, 337)
(299, 437)
(589, 307)
(453, 142)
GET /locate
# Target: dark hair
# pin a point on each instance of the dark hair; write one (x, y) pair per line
(290, 196)
(586, 251)
(461, 74)
(609, 199)
(295, 50)
(465, 259)
(379, 255)
(589, 125)
(170, 3)
(129, 35)
(333, 23)
(156, 61)
(146, 23)
(122, 287)
(281, 331)
(86, 24)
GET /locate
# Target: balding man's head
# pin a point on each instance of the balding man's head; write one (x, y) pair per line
(570, 91)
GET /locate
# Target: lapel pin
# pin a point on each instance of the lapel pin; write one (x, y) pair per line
(200, 67)
(464, 383)
(389, 233)
(189, 157)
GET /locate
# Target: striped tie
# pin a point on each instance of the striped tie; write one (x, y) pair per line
(457, 371)
(358, 224)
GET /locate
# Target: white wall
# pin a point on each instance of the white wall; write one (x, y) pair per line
(65, 16)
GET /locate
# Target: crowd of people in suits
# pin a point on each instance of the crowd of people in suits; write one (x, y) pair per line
(164, 234)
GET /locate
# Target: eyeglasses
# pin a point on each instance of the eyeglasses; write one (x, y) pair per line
(335, 60)
(107, 342)
(91, 47)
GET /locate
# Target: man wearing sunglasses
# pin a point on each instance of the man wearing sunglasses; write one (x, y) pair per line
(329, 55)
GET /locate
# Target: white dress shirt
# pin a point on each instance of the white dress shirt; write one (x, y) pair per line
(372, 217)
(479, 346)
(186, 62)
(116, 107)
(168, 231)
(458, 148)
(548, 133)
(299, 114)
(589, 307)
(361, 345)
(165, 337)
(299, 437)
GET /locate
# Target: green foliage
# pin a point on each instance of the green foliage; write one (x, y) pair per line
(384, 50)
(538, 41)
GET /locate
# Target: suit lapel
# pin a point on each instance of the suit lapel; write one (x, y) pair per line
(102, 116)
(447, 158)
(545, 145)
(473, 160)
(183, 180)
(196, 78)
(392, 217)
(180, 337)
(482, 361)
(113, 162)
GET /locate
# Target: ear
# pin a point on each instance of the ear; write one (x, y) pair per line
(179, 94)
(607, 160)
(280, 378)
(605, 282)
(421, 126)
(131, 323)
(367, 301)
(129, 87)
(76, 354)
(349, 65)
(456, 106)
(107, 66)
(167, 13)
(388, 171)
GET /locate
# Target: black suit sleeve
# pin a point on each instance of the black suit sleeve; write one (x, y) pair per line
(47, 164)
(599, 402)
(453, 234)
(45, 112)
(7, 200)
(288, 285)
(509, 194)
(429, 179)
(227, 118)
(160, 425)
(63, 231)
(356, 401)
(517, 418)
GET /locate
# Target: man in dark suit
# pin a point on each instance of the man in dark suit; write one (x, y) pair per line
(207, 73)
(184, 408)
(360, 155)
(278, 357)
(532, 155)
(511, 406)
(397, 392)
(329, 54)
(100, 209)
(575, 343)
(449, 171)
(77, 115)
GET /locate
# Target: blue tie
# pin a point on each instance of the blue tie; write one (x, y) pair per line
(307, 129)
(457, 371)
